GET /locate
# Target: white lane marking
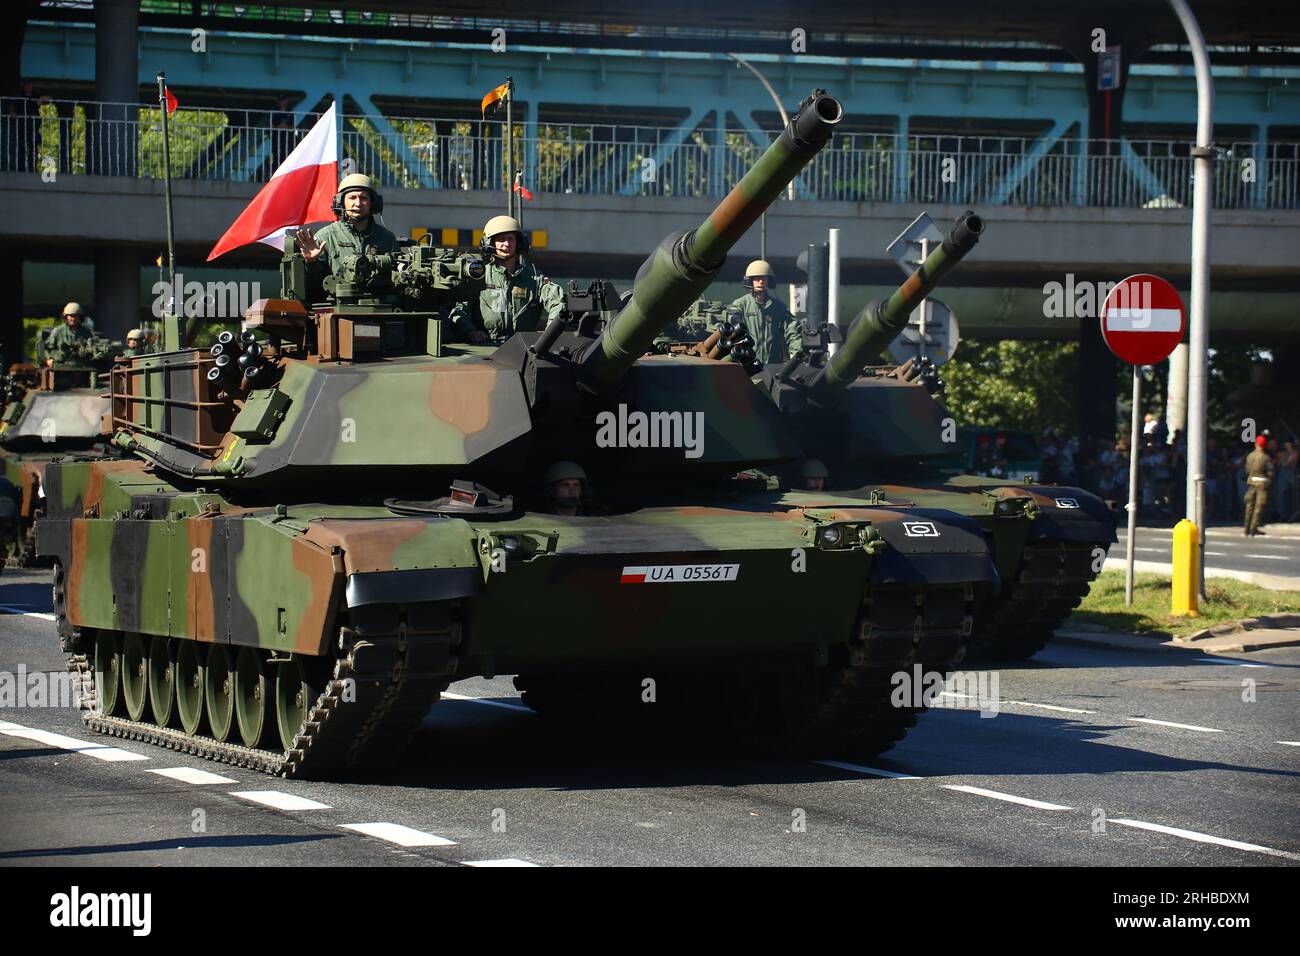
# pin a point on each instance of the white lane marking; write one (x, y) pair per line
(1270, 557)
(193, 775)
(7, 609)
(489, 703)
(1217, 554)
(1064, 710)
(1008, 797)
(511, 861)
(1290, 743)
(1218, 660)
(1206, 838)
(396, 833)
(1157, 550)
(1021, 703)
(279, 800)
(1170, 723)
(98, 751)
(858, 768)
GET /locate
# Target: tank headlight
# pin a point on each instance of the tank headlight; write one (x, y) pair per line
(831, 536)
(509, 544)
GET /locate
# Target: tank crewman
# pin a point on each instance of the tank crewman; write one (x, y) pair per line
(567, 488)
(355, 231)
(516, 297)
(813, 475)
(66, 343)
(775, 331)
(1259, 473)
(135, 344)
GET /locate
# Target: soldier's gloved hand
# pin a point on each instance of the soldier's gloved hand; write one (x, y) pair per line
(307, 244)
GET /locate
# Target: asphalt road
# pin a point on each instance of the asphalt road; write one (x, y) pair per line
(1275, 553)
(1094, 757)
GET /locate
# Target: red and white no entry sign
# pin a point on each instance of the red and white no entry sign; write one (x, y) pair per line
(1143, 319)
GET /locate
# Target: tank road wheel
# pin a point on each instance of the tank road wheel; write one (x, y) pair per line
(162, 682)
(252, 696)
(219, 692)
(135, 676)
(295, 692)
(108, 667)
(189, 686)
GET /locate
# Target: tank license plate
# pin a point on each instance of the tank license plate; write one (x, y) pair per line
(677, 573)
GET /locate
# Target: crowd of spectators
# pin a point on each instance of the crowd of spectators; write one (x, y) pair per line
(1102, 468)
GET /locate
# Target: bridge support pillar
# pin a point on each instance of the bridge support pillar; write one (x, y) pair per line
(11, 304)
(117, 291)
(112, 134)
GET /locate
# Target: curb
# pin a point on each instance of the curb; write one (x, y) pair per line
(1246, 624)
(1201, 641)
(1271, 582)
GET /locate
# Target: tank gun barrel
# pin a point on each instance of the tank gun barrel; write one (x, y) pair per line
(685, 263)
(880, 322)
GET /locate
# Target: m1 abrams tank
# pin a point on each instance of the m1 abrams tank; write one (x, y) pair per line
(885, 433)
(47, 412)
(309, 544)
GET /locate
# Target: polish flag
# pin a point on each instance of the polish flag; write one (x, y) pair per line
(300, 192)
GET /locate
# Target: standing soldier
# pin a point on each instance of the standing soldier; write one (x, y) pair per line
(516, 297)
(64, 343)
(1259, 472)
(774, 330)
(355, 206)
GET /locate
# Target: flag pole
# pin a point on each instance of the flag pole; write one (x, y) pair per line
(510, 146)
(171, 330)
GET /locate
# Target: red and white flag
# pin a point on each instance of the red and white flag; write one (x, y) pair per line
(300, 192)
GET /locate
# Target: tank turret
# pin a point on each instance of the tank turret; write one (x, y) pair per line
(685, 263)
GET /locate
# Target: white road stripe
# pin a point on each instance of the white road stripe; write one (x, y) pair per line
(1218, 660)
(278, 800)
(1290, 743)
(489, 703)
(1064, 710)
(98, 751)
(1269, 557)
(13, 610)
(511, 861)
(396, 833)
(193, 775)
(1206, 838)
(858, 768)
(1170, 723)
(1008, 797)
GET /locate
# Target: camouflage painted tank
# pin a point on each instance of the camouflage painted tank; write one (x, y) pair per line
(48, 412)
(334, 515)
(885, 433)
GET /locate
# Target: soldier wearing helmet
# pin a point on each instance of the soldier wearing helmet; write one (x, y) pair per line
(355, 205)
(566, 488)
(515, 297)
(813, 475)
(774, 330)
(136, 344)
(66, 343)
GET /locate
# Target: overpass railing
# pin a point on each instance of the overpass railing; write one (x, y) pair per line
(115, 139)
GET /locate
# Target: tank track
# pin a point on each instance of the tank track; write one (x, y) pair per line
(791, 707)
(396, 678)
(1053, 577)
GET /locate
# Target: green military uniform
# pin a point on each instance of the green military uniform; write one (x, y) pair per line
(774, 330)
(67, 343)
(519, 301)
(339, 240)
(1259, 472)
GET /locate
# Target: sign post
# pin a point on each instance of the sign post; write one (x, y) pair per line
(1142, 321)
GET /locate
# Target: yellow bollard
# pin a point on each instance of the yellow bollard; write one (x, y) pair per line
(1186, 571)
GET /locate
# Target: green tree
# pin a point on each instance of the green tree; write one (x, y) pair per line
(1014, 384)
